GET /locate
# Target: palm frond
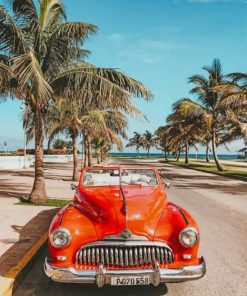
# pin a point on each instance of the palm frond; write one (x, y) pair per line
(185, 107)
(5, 80)
(30, 75)
(26, 12)
(75, 32)
(12, 40)
(82, 79)
(238, 77)
(51, 13)
(198, 80)
(64, 44)
(215, 70)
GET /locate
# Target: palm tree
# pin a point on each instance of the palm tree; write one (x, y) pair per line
(71, 120)
(136, 141)
(98, 144)
(184, 130)
(108, 124)
(60, 144)
(45, 54)
(148, 141)
(161, 140)
(215, 106)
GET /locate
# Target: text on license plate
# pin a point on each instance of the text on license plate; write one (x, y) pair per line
(130, 280)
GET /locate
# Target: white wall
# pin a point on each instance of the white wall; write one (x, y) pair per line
(15, 162)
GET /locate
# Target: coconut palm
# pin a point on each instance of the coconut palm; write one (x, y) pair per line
(92, 123)
(161, 139)
(45, 54)
(184, 130)
(214, 106)
(60, 144)
(136, 141)
(107, 124)
(98, 143)
(209, 99)
(148, 141)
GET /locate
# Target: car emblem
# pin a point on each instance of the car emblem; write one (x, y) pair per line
(126, 234)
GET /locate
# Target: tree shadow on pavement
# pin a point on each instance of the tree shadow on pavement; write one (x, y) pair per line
(190, 179)
(13, 189)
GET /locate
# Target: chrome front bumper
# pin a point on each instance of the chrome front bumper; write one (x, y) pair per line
(103, 276)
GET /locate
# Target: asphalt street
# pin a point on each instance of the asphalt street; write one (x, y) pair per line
(219, 206)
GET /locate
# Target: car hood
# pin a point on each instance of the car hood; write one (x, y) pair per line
(104, 207)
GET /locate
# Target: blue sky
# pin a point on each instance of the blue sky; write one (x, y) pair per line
(160, 43)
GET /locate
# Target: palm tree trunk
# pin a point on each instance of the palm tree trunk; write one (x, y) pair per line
(85, 151)
(186, 152)
(98, 156)
(101, 155)
(178, 156)
(219, 166)
(137, 149)
(105, 153)
(75, 158)
(207, 152)
(38, 194)
(165, 154)
(148, 152)
(89, 152)
(82, 151)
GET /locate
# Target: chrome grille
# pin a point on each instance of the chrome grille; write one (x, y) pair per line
(124, 255)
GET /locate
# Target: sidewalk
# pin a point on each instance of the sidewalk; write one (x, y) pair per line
(17, 183)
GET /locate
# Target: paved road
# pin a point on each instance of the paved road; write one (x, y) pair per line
(220, 208)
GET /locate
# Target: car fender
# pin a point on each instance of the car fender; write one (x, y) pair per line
(173, 220)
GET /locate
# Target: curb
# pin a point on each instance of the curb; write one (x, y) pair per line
(11, 274)
(7, 282)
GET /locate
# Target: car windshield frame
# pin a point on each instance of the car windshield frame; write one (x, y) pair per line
(122, 177)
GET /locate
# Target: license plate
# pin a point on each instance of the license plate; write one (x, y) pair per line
(130, 281)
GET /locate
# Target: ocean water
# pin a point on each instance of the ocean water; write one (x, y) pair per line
(161, 155)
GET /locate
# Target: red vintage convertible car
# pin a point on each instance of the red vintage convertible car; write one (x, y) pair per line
(121, 230)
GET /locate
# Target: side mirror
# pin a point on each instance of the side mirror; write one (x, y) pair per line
(73, 187)
(167, 184)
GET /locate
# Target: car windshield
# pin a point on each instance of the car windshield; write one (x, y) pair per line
(111, 177)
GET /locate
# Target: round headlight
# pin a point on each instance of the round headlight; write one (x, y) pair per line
(60, 238)
(188, 237)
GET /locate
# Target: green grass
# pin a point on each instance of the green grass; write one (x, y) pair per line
(237, 165)
(58, 203)
(231, 173)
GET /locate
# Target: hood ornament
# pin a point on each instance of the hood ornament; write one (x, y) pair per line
(126, 234)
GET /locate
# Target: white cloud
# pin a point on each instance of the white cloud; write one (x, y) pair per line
(157, 44)
(116, 37)
(149, 58)
(137, 48)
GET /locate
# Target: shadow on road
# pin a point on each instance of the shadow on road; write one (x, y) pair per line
(88, 290)
(36, 283)
(186, 178)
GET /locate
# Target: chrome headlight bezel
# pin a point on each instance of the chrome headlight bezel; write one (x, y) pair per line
(67, 235)
(185, 231)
